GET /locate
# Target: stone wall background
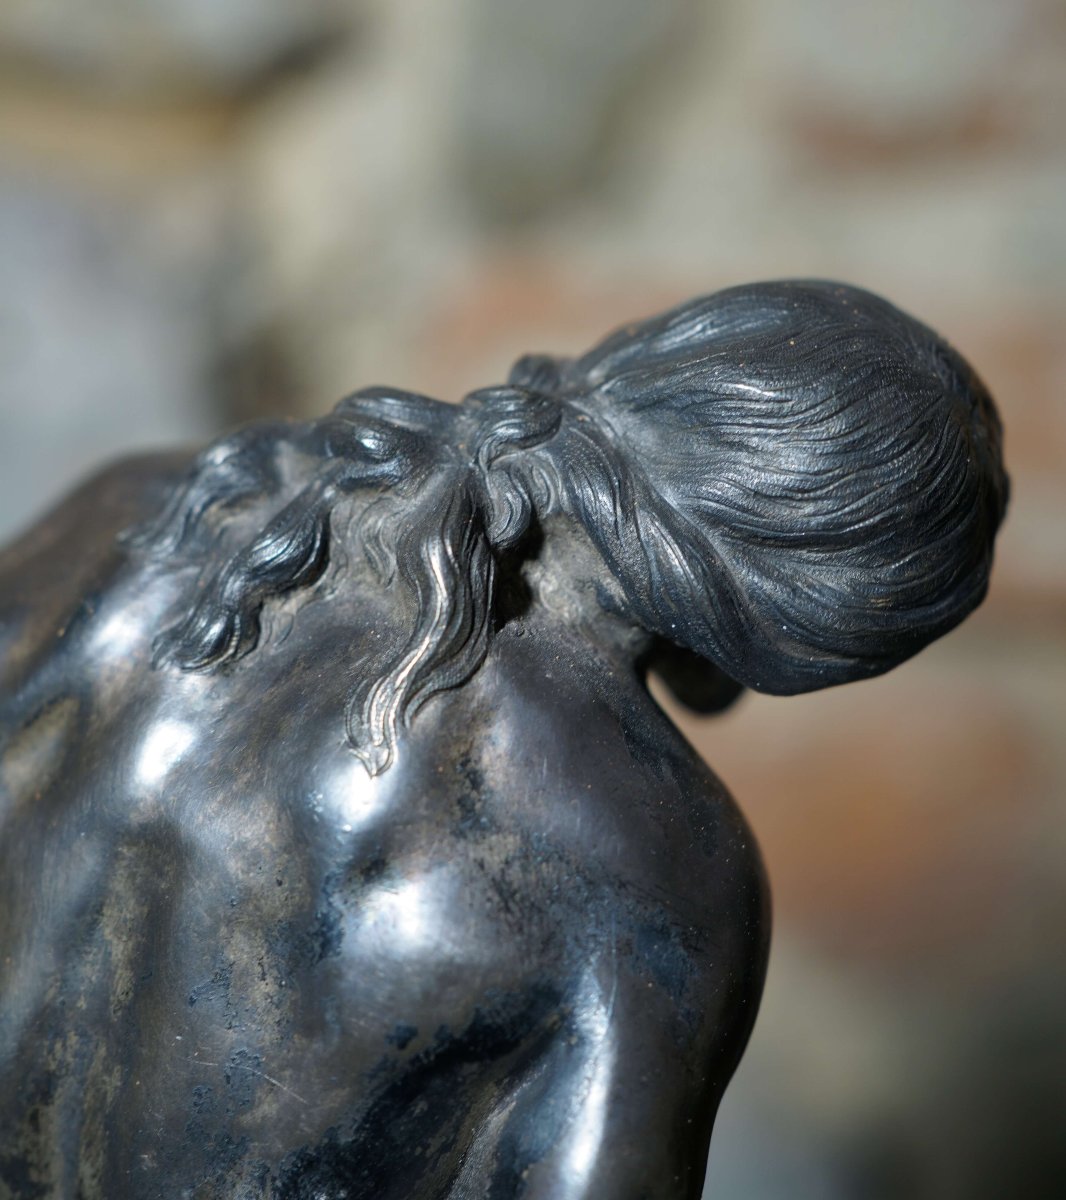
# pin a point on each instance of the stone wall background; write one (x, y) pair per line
(212, 211)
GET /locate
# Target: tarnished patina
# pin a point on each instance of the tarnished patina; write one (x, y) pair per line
(344, 851)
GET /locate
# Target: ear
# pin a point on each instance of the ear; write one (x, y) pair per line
(697, 683)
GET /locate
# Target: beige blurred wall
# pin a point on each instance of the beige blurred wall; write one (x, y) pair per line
(212, 212)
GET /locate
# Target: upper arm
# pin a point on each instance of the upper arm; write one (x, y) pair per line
(620, 1105)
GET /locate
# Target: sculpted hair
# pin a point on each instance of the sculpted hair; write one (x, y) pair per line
(455, 495)
(795, 481)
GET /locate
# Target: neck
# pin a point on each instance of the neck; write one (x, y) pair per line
(568, 585)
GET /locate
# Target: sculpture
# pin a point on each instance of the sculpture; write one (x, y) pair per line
(344, 851)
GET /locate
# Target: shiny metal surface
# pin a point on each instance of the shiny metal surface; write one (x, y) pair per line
(531, 951)
(334, 866)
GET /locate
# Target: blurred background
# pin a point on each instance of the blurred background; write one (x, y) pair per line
(212, 211)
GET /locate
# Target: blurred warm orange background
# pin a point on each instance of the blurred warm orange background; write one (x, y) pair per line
(214, 211)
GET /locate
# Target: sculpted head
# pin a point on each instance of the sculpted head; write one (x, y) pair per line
(802, 484)
(794, 481)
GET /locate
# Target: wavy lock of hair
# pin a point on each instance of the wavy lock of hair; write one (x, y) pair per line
(456, 495)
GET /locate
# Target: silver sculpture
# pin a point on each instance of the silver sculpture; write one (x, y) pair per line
(344, 852)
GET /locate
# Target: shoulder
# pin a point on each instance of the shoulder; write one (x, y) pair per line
(82, 527)
(606, 829)
(582, 756)
(66, 561)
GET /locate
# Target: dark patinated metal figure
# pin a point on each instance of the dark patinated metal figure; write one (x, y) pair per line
(344, 852)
